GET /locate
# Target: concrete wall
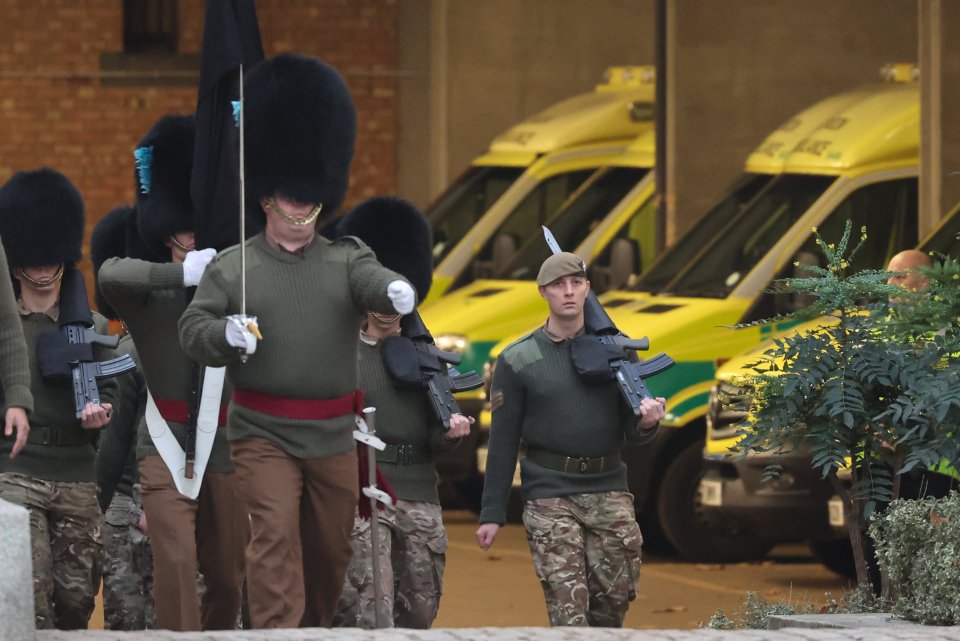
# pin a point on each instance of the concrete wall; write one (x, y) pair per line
(472, 69)
(738, 69)
(940, 126)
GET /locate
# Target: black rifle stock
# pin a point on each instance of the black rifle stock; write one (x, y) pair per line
(441, 381)
(607, 342)
(72, 347)
(601, 352)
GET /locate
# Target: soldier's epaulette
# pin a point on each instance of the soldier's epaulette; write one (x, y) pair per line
(522, 351)
(232, 249)
(355, 242)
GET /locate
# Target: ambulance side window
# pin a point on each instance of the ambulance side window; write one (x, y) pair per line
(629, 254)
(520, 224)
(887, 209)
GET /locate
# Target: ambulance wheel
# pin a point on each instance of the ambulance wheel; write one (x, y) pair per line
(684, 523)
(836, 555)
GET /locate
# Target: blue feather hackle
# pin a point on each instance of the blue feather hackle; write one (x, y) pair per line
(144, 157)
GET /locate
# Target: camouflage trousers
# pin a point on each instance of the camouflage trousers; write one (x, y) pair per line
(586, 552)
(66, 537)
(127, 567)
(413, 546)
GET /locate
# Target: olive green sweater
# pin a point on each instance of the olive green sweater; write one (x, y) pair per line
(309, 307)
(149, 298)
(14, 364)
(403, 417)
(116, 454)
(54, 407)
(538, 397)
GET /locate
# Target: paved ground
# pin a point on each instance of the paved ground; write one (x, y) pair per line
(919, 633)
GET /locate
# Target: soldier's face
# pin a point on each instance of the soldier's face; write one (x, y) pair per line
(39, 279)
(565, 296)
(181, 243)
(285, 218)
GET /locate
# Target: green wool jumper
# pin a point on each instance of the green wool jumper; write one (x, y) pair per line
(54, 407)
(539, 398)
(309, 307)
(404, 417)
(116, 454)
(14, 363)
(150, 298)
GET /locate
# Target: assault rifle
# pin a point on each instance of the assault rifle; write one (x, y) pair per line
(413, 360)
(600, 354)
(67, 354)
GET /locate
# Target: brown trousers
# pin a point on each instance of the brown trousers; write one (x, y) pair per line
(302, 516)
(208, 535)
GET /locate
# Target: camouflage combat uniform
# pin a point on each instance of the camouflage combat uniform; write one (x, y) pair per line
(128, 557)
(579, 517)
(127, 567)
(413, 541)
(53, 477)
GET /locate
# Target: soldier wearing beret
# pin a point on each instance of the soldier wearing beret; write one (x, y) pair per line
(578, 514)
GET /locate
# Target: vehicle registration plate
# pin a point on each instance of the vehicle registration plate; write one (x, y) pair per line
(711, 492)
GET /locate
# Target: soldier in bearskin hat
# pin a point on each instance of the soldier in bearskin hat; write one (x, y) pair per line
(412, 538)
(196, 522)
(292, 414)
(127, 555)
(53, 476)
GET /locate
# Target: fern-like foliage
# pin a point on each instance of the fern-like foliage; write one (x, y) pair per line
(873, 387)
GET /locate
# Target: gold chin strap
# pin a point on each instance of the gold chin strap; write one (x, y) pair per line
(274, 208)
(176, 243)
(41, 283)
(385, 319)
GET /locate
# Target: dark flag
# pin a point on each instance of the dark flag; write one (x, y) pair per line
(231, 37)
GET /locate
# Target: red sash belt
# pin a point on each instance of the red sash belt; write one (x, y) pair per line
(299, 408)
(177, 411)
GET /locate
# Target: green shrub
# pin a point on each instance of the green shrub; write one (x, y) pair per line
(755, 611)
(918, 546)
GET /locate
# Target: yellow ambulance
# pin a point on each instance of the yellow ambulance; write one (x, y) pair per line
(799, 505)
(859, 161)
(479, 222)
(609, 220)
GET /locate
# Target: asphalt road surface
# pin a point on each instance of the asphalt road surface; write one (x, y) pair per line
(499, 587)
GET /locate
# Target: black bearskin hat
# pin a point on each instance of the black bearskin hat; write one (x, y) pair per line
(398, 234)
(300, 128)
(164, 161)
(41, 219)
(109, 240)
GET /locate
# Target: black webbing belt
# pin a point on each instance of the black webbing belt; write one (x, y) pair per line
(579, 464)
(404, 455)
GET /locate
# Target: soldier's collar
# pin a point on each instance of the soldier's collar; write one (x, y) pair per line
(53, 313)
(556, 338)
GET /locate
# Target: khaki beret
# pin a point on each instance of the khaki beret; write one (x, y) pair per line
(560, 265)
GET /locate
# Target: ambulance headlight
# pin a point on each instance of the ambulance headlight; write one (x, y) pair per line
(452, 342)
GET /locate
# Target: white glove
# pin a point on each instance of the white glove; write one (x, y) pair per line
(239, 334)
(194, 263)
(402, 296)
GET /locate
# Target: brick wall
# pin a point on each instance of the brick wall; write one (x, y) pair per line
(58, 109)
